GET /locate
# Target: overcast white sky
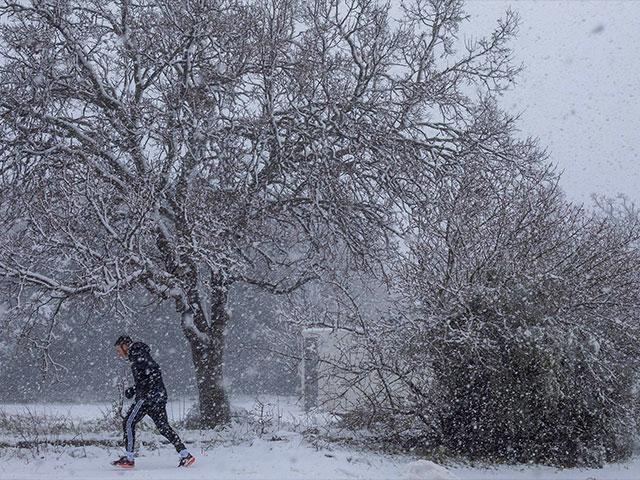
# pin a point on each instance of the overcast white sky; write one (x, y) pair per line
(580, 90)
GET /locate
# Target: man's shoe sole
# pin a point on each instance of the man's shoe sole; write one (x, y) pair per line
(189, 462)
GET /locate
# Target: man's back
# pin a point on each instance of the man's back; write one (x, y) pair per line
(146, 373)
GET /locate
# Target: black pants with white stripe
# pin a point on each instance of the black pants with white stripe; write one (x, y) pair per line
(157, 410)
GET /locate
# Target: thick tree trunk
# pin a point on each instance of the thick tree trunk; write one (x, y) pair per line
(208, 363)
(207, 351)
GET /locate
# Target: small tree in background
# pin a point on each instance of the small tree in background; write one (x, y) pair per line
(515, 332)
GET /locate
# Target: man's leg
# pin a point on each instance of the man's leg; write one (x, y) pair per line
(134, 415)
(158, 413)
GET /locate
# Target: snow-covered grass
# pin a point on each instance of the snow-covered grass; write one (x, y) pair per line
(271, 438)
(176, 409)
(265, 442)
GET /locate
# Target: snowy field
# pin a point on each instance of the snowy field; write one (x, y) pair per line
(289, 459)
(281, 452)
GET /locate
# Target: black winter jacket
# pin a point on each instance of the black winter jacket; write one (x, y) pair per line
(146, 374)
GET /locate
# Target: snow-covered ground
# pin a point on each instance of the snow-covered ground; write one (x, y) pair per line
(279, 454)
(280, 460)
(259, 459)
(287, 407)
(624, 471)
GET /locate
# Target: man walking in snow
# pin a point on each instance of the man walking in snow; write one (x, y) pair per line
(151, 399)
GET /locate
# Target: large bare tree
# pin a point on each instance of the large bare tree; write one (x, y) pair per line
(182, 146)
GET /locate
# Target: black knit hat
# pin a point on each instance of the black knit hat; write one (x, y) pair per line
(123, 340)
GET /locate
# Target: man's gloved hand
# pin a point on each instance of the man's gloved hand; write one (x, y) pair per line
(130, 392)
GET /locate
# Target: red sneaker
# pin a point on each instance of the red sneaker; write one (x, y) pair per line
(123, 462)
(187, 461)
